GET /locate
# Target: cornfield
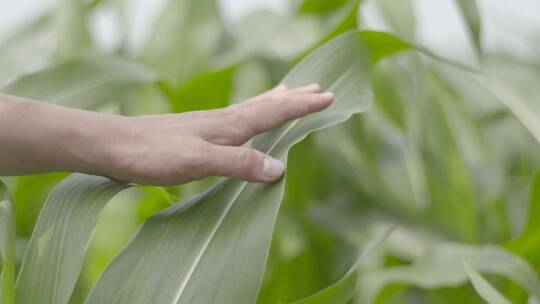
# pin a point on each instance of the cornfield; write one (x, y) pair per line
(418, 185)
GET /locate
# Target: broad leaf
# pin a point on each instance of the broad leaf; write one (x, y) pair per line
(55, 253)
(7, 247)
(484, 289)
(88, 83)
(214, 247)
(342, 291)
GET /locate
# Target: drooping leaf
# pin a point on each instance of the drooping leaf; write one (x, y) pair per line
(7, 247)
(87, 83)
(441, 266)
(514, 84)
(483, 288)
(342, 291)
(55, 253)
(213, 247)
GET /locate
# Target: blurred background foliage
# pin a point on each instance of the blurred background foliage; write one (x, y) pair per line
(439, 155)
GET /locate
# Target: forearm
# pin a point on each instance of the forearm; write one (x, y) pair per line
(38, 137)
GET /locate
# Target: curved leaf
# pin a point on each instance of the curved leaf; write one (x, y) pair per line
(214, 247)
(86, 83)
(55, 253)
(341, 291)
(515, 85)
(7, 247)
(441, 266)
(484, 289)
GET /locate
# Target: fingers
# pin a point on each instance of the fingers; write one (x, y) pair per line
(240, 122)
(261, 117)
(244, 163)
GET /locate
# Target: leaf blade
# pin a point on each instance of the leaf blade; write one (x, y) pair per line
(54, 255)
(189, 245)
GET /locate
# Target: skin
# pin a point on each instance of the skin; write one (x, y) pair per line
(166, 149)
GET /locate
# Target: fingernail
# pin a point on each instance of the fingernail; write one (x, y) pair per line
(272, 169)
(328, 95)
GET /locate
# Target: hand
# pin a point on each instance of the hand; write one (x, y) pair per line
(177, 148)
(159, 150)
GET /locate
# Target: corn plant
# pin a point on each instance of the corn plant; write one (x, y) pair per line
(440, 146)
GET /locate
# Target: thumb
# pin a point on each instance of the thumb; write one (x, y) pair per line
(244, 163)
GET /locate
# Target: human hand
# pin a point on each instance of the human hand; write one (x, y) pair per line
(178, 148)
(158, 150)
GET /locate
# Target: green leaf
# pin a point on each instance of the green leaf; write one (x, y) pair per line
(205, 91)
(397, 17)
(214, 246)
(342, 291)
(320, 6)
(441, 266)
(32, 45)
(71, 23)
(86, 83)
(483, 288)
(347, 23)
(54, 256)
(515, 85)
(7, 247)
(29, 203)
(469, 9)
(185, 40)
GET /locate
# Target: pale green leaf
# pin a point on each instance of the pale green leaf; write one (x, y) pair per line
(87, 83)
(55, 253)
(7, 247)
(341, 291)
(29, 47)
(469, 9)
(483, 288)
(515, 85)
(214, 247)
(441, 266)
(185, 40)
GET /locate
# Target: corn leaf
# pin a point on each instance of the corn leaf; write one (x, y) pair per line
(441, 266)
(342, 291)
(515, 85)
(7, 247)
(54, 256)
(469, 9)
(85, 83)
(185, 40)
(213, 248)
(483, 288)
